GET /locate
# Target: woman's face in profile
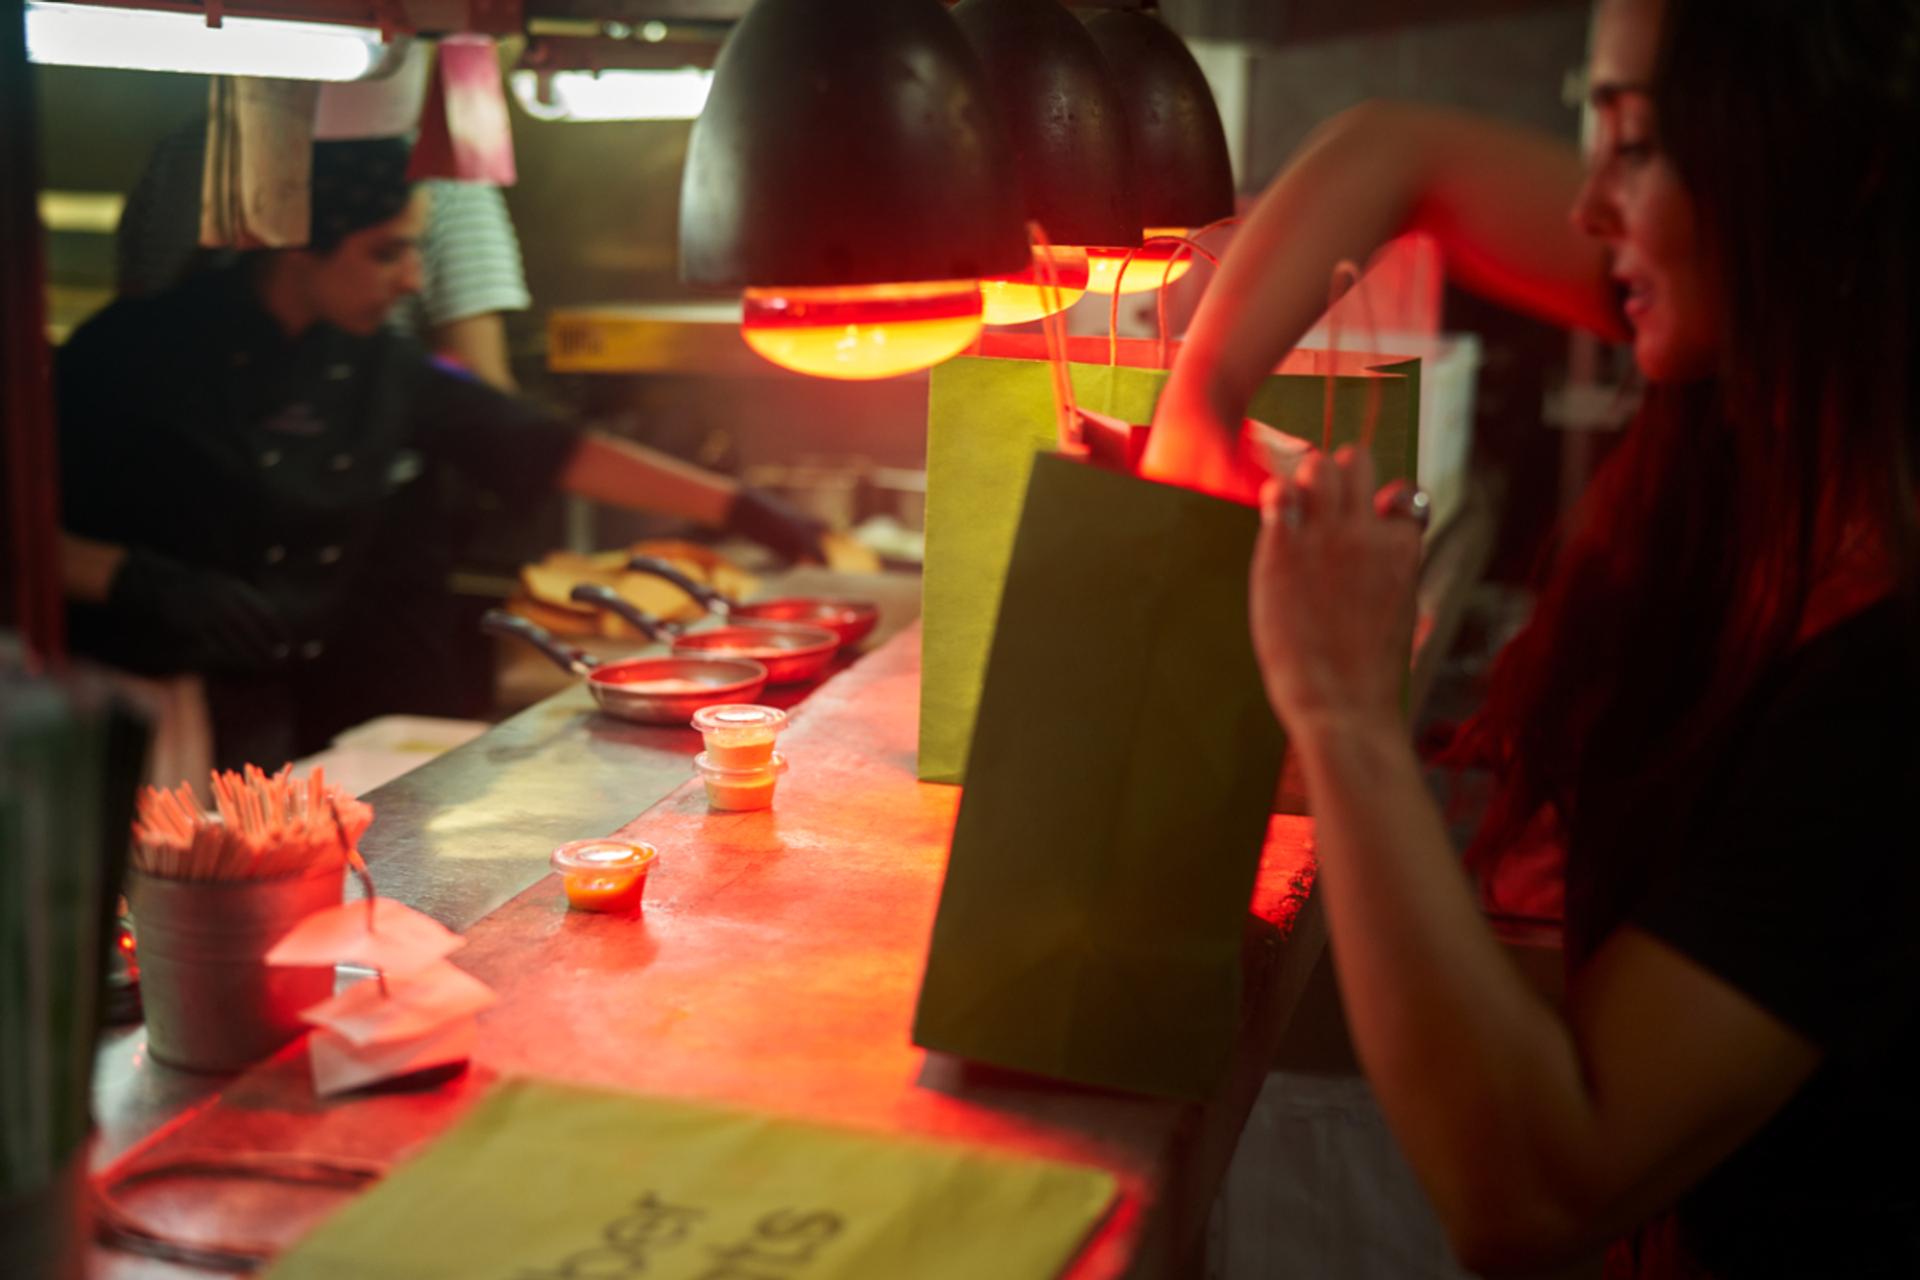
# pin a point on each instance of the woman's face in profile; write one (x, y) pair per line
(1634, 202)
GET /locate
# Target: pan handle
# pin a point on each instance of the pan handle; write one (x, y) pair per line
(710, 600)
(498, 622)
(599, 597)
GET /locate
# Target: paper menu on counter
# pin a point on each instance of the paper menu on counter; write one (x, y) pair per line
(542, 1181)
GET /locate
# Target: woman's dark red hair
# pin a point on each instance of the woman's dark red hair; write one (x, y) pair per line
(1686, 571)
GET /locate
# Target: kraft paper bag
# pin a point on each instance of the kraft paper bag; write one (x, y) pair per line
(988, 415)
(1118, 795)
(550, 1182)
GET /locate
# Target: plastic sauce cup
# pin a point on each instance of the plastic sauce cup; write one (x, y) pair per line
(738, 790)
(739, 735)
(604, 875)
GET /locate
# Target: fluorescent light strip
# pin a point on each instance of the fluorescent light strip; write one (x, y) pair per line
(97, 212)
(615, 95)
(155, 40)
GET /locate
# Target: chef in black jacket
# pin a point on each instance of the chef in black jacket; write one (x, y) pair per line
(233, 451)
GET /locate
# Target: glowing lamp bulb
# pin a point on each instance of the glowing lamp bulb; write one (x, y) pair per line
(861, 332)
(1149, 266)
(1036, 292)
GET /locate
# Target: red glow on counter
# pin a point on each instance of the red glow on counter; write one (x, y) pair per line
(1149, 266)
(860, 332)
(1037, 292)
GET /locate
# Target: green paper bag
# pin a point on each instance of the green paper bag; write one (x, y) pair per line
(1118, 795)
(550, 1182)
(988, 415)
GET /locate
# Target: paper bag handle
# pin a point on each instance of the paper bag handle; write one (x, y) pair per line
(1347, 278)
(1070, 435)
(1113, 308)
(1053, 330)
(1166, 278)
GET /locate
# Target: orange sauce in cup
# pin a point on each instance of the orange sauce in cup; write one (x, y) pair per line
(755, 792)
(592, 891)
(604, 875)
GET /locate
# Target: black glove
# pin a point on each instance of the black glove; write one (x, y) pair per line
(776, 524)
(191, 619)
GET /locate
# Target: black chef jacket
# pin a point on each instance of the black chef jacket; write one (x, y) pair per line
(190, 425)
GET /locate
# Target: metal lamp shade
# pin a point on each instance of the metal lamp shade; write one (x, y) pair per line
(848, 142)
(1180, 158)
(1063, 114)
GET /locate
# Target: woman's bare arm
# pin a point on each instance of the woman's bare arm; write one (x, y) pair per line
(1536, 1134)
(1497, 199)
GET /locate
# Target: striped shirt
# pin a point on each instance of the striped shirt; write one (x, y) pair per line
(471, 256)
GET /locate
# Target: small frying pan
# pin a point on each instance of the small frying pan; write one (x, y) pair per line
(664, 690)
(791, 654)
(851, 620)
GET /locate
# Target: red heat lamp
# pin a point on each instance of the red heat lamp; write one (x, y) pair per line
(862, 332)
(849, 176)
(1059, 277)
(1176, 141)
(1063, 114)
(1149, 268)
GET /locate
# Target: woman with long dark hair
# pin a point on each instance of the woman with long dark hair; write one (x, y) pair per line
(1717, 703)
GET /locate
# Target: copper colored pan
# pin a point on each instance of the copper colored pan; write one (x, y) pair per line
(791, 654)
(851, 620)
(662, 690)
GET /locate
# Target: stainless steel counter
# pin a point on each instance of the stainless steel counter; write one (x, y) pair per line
(466, 832)
(775, 967)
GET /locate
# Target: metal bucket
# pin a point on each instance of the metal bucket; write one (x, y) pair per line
(212, 1002)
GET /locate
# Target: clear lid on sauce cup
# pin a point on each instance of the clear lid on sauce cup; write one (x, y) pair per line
(739, 722)
(607, 857)
(720, 773)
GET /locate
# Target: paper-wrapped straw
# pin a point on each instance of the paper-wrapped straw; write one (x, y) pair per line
(266, 827)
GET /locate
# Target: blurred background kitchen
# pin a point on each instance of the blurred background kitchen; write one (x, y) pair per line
(612, 333)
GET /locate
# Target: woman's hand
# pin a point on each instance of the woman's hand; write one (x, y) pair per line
(1195, 447)
(1332, 593)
